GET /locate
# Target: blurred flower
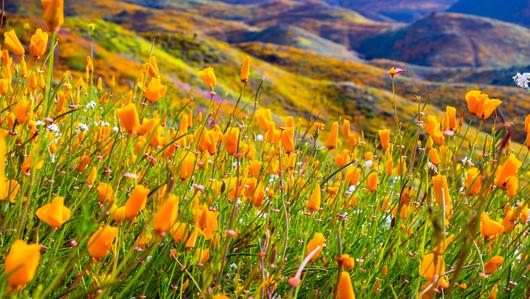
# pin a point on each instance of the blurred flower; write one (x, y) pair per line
(166, 215)
(208, 77)
(38, 43)
(245, 69)
(333, 136)
(318, 240)
(345, 288)
(136, 202)
(522, 80)
(155, 90)
(493, 264)
(100, 242)
(53, 13)
(313, 203)
(21, 263)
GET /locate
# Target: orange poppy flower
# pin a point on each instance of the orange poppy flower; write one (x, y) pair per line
(21, 263)
(318, 240)
(129, 119)
(166, 215)
(493, 264)
(345, 288)
(384, 137)
(100, 242)
(313, 203)
(208, 77)
(490, 228)
(55, 213)
(245, 69)
(53, 13)
(136, 202)
(12, 42)
(480, 104)
(333, 136)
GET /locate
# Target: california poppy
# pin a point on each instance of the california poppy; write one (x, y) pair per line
(129, 119)
(208, 77)
(21, 263)
(313, 203)
(166, 215)
(100, 242)
(317, 241)
(136, 201)
(245, 69)
(53, 13)
(38, 43)
(480, 104)
(345, 288)
(12, 42)
(55, 213)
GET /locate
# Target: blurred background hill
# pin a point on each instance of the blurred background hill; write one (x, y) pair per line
(318, 58)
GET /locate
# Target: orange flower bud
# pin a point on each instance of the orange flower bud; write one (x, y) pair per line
(493, 293)
(345, 288)
(347, 262)
(38, 43)
(473, 181)
(53, 13)
(91, 178)
(434, 157)
(55, 213)
(136, 202)
(166, 215)
(208, 77)
(318, 240)
(129, 119)
(245, 69)
(371, 182)
(12, 42)
(353, 175)
(21, 263)
(287, 137)
(232, 141)
(100, 242)
(384, 137)
(333, 136)
(186, 167)
(441, 192)
(449, 122)
(105, 192)
(313, 203)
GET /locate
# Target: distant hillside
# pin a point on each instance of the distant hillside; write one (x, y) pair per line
(453, 40)
(295, 37)
(397, 10)
(515, 11)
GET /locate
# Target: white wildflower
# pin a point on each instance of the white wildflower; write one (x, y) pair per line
(522, 80)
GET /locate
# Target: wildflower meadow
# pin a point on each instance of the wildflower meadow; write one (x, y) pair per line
(113, 192)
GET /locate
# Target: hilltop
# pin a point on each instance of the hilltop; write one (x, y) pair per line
(453, 40)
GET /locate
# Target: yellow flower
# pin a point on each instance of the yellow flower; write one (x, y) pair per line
(208, 77)
(38, 43)
(55, 213)
(53, 13)
(13, 44)
(21, 263)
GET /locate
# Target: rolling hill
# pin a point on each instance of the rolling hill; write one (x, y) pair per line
(514, 11)
(453, 40)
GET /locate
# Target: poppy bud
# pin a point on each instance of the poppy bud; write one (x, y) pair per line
(166, 215)
(38, 43)
(318, 240)
(345, 288)
(129, 119)
(12, 42)
(136, 202)
(333, 136)
(100, 242)
(384, 137)
(245, 69)
(313, 203)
